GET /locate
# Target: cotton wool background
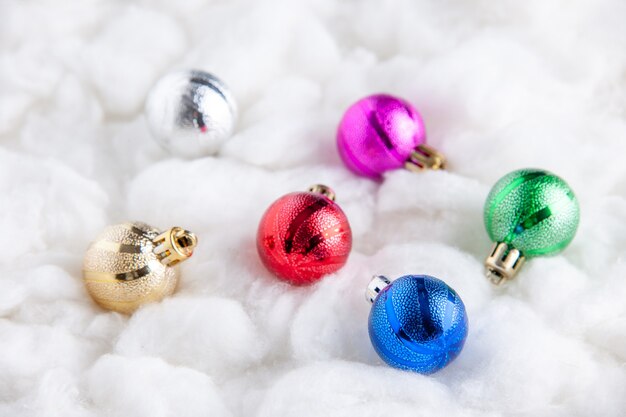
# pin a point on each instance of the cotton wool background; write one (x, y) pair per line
(501, 85)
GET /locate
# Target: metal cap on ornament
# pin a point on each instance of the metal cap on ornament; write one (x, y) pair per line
(175, 245)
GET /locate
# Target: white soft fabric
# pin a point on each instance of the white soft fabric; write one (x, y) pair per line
(501, 85)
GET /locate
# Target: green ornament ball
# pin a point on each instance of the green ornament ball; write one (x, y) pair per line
(533, 211)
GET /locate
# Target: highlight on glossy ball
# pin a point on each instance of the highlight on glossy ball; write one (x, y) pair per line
(533, 211)
(190, 113)
(418, 323)
(378, 133)
(304, 236)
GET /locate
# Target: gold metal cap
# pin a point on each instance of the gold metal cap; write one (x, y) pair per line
(174, 245)
(324, 190)
(425, 157)
(503, 264)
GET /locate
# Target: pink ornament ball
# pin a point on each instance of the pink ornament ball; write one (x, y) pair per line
(378, 134)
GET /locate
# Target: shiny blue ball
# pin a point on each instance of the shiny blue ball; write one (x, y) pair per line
(418, 323)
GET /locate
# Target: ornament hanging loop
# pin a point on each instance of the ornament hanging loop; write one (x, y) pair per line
(425, 157)
(175, 245)
(324, 190)
(503, 264)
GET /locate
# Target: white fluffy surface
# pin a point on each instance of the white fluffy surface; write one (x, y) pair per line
(501, 85)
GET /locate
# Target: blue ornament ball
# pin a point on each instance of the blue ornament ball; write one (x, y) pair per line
(418, 323)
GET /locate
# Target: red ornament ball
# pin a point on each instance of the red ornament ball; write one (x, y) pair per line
(304, 236)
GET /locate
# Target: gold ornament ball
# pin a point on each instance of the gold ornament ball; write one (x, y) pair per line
(132, 264)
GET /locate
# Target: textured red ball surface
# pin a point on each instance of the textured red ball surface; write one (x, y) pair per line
(304, 236)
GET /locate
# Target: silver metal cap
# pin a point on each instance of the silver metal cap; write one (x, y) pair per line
(376, 285)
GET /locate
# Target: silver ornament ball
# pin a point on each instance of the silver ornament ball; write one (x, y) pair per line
(191, 113)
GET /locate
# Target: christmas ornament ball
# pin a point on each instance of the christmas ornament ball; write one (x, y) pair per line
(131, 264)
(190, 113)
(381, 132)
(303, 236)
(533, 211)
(416, 323)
